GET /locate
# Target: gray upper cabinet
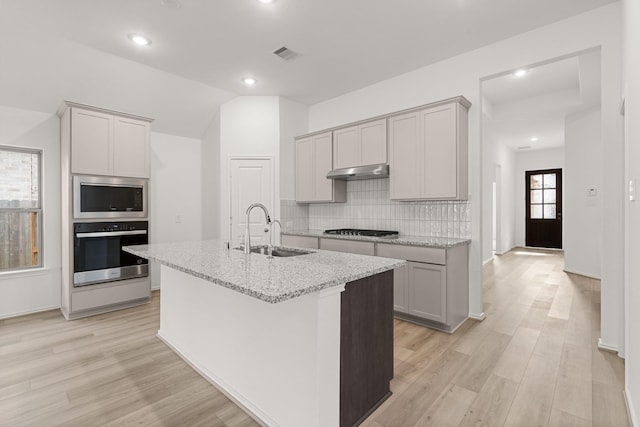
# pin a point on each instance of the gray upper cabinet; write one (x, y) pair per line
(364, 144)
(314, 159)
(428, 152)
(103, 143)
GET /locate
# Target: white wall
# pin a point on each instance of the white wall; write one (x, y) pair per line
(293, 122)
(39, 289)
(505, 157)
(582, 213)
(552, 158)
(462, 75)
(631, 34)
(497, 155)
(210, 164)
(175, 192)
(249, 126)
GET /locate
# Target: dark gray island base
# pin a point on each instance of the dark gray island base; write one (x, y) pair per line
(366, 346)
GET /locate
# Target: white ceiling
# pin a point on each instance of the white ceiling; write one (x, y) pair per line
(537, 104)
(78, 49)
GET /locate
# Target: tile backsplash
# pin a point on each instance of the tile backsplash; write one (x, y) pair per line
(294, 216)
(369, 206)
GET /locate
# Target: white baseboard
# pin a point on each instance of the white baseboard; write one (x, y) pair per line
(591, 276)
(232, 394)
(24, 313)
(479, 317)
(487, 261)
(608, 347)
(633, 418)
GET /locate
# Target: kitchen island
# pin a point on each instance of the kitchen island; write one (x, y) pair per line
(303, 340)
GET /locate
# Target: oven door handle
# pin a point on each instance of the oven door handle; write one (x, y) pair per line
(110, 234)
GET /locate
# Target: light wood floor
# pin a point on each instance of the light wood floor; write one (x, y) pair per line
(533, 361)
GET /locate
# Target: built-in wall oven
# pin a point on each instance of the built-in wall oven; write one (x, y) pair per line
(98, 255)
(109, 197)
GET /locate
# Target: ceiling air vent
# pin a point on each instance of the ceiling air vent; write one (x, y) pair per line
(286, 53)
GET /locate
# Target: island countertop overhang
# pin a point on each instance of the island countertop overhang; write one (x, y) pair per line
(272, 280)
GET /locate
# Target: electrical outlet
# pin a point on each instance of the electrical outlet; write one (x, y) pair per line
(178, 219)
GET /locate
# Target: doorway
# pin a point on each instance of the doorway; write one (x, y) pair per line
(251, 180)
(543, 193)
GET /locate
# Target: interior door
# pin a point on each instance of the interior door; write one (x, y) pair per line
(252, 181)
(544, 208)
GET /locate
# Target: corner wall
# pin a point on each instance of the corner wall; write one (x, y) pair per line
(210, 164)
(631, 41)
(582, 210)
(249, 126)
(175, 189)
(38, 289)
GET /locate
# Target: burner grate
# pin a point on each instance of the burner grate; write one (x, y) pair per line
(360, 232)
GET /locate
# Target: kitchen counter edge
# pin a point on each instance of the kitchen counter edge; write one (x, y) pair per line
(262, 291)
(402, 239)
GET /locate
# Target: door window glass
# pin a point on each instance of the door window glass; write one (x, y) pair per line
(543, 196)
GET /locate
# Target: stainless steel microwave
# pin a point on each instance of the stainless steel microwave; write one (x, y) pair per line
(109, 197)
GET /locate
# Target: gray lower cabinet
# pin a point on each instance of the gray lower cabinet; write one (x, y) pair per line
(427, 286)
(433, 288)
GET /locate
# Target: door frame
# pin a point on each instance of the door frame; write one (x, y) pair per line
(227, 210)
(559, 203)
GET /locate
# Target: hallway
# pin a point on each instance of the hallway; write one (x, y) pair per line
(533, 361)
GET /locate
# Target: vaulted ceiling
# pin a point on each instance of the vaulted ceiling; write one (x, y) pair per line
(79, 49)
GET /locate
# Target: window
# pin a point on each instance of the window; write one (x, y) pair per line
(20, 208)
(543, 196)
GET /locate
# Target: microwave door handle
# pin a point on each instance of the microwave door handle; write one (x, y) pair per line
(110, 234)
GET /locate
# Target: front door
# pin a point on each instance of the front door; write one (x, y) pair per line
(252, 181)
(544, 208)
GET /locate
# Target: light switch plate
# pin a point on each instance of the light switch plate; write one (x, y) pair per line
(632, 190)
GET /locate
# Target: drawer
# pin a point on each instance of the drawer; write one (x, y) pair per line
(300, 241)
(413, 253)
(87, 298)
(349, 246)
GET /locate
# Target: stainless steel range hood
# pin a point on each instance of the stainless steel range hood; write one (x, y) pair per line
(360, 172)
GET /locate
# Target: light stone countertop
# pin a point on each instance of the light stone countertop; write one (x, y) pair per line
(272, 280)
(402, 239)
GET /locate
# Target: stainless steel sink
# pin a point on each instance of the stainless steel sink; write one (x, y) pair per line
(277, 251)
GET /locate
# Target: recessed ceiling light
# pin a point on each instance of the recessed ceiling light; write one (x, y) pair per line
(533, 139)
(520, 73)
(249, 81)
(266, 1)
(139, 39)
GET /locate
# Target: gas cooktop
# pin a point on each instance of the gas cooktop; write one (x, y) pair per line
(359, 232)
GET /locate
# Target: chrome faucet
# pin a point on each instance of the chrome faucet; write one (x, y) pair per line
(247, 231)
(270, 247)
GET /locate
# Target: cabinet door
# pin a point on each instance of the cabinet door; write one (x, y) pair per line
(401, 289)
(405, 157)
(428, 291)
(346, 149)
(439, 136)
(131, 148)
(304, 170)
(91, 142)
(373, 142)
(323, 164)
